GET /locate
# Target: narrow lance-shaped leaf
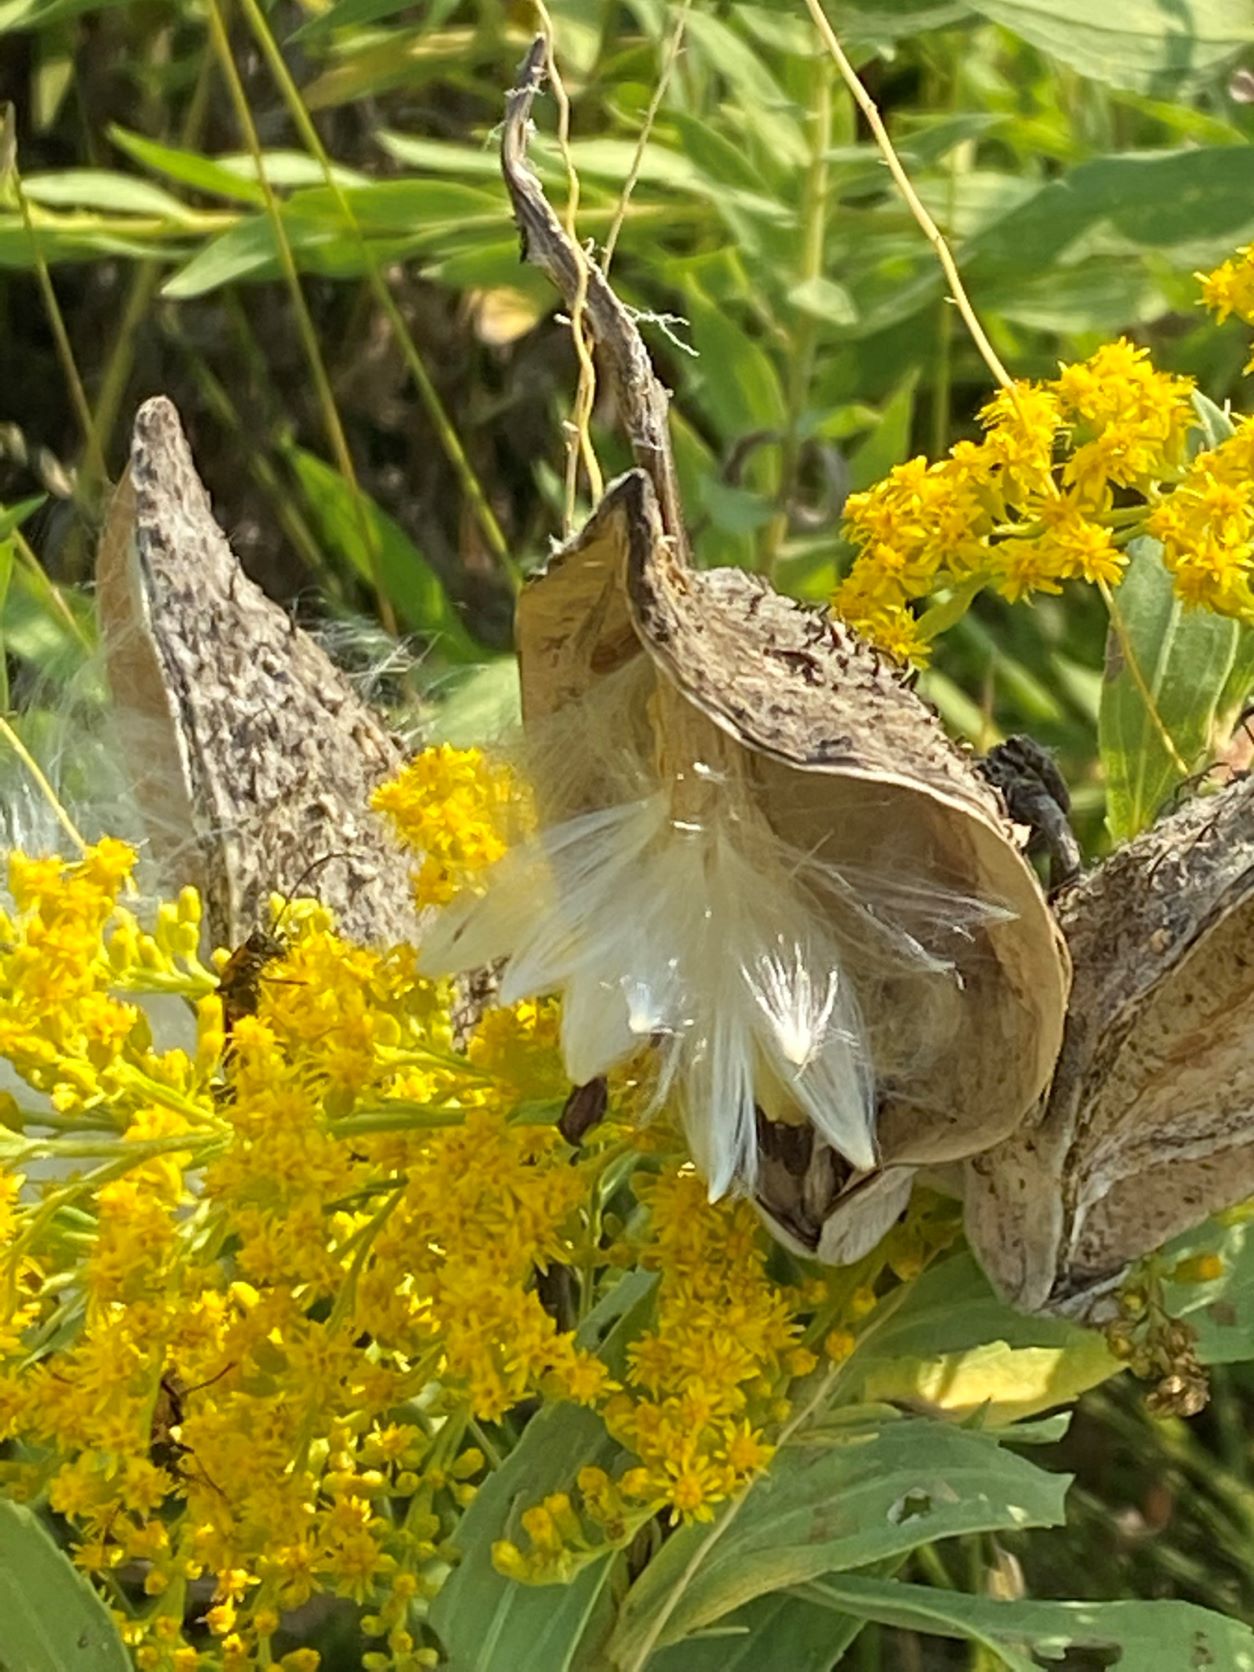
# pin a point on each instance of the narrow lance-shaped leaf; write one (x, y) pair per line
(1140, 1636)
(833, 1501)
(410, 582)
(1166, 671)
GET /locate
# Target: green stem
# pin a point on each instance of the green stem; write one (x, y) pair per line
(445, 430)
(60, 336)
(942, 388)
(304, 321)
(397, 1117)
(143, 285)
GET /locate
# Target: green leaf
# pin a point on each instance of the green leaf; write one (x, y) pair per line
(1222, 1309)
(488, 1623)
(101, 188)
(53, 1620)
(426, 207)
(248, 248)
(793, 36)
(1184, 658)
(36, 631)
(1104, 295)
(824, 299)
(346, 13)
(802, 1636)
(1240, 683)
(189, 168)
(950, 1309)
(443, 156)
(740, 65)
(13, 516)
(1189, 206)
(38, 14)
(836, 1501)
(408, 579)
(732, 509)
(954, 1346)
(1130, 43)
(290, 168)
(1214, 424)
(1140, 1636)
(580, 26)
(738, 386)
(414, 213)
(873, 27)
(8, 552)
(889, 441)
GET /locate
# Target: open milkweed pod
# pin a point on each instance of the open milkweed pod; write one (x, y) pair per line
(759, 851)
(1149, 1125)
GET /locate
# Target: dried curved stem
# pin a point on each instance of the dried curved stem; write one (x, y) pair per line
(642, 401)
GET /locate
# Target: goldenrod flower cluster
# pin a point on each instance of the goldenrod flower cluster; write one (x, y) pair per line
(457, 811)
(259, 1293)
(1230, 289)
(1207, 527)
(1042, 499)
(276, 1295)
(709, 1381)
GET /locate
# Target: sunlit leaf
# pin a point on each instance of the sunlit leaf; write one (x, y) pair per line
(189, 168)
(864, 1493)
(954, 1346)
(1156, 729)
(99, 188)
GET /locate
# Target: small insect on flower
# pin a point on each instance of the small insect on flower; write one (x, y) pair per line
(165, 1443)
(239, 981)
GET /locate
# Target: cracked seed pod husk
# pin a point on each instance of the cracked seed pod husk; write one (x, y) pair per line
(1149, 1124)
(759, 853)
(250, 754)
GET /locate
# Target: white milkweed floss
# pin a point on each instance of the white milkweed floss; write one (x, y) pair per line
(758, 854)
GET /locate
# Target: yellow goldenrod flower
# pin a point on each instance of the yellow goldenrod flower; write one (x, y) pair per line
(1029, 506)
(455, 808)
(1230, 289)
(1207, 527)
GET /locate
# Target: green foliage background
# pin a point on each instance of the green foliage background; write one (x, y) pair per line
(1084, 160)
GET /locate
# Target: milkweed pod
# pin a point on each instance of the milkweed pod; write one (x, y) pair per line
(1149, 1124)
(758, 849)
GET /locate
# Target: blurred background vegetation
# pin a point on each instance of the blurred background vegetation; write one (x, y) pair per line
(289, 219)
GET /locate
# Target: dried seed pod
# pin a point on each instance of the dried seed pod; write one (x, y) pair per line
(252, 753)
(757, 850)
(1149, 1125)
(765, 720)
